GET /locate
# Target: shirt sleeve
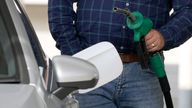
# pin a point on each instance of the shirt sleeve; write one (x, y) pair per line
(61, 17)
(179, 28)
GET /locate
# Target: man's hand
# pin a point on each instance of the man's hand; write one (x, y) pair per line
(154, 41)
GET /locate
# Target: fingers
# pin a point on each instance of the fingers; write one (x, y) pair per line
(153, 46)
(154, 41)
(151, 43)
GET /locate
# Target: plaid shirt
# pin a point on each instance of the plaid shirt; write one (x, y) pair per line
(94, 21)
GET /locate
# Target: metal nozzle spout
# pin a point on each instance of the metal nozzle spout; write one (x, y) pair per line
(125, 12)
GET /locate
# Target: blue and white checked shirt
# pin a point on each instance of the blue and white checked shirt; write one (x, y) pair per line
(95, 21)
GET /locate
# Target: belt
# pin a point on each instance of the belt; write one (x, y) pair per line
(128, 58)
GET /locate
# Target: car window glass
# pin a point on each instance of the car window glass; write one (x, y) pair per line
(7, 60)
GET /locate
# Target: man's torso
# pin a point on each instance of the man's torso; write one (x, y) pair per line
(97, 22)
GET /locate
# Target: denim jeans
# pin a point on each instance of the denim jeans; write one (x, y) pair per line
(134, 88)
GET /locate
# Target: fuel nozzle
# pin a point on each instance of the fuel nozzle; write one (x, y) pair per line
(141, 25)
(136, 21)
(125, 12)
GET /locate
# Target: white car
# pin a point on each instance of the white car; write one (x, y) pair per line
(28, 78)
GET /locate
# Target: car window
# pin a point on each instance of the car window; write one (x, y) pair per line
(7, 59)
(13, 67)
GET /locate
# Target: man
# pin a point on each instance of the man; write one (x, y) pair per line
(95, 21)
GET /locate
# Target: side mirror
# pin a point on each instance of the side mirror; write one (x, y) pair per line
(72, 74)
(87, 69)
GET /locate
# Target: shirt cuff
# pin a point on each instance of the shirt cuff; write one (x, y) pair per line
(167, 38)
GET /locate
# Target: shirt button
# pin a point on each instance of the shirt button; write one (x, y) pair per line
(123, 27)
(121, 47)
(127, 4)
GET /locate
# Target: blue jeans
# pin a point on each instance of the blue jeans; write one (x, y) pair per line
(134, 88)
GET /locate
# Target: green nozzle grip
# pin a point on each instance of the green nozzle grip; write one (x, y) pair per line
(137, 23)
(157, 65)
(141, 25)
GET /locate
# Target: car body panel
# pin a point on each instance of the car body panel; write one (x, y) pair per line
(17, 96)
(33, 70)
